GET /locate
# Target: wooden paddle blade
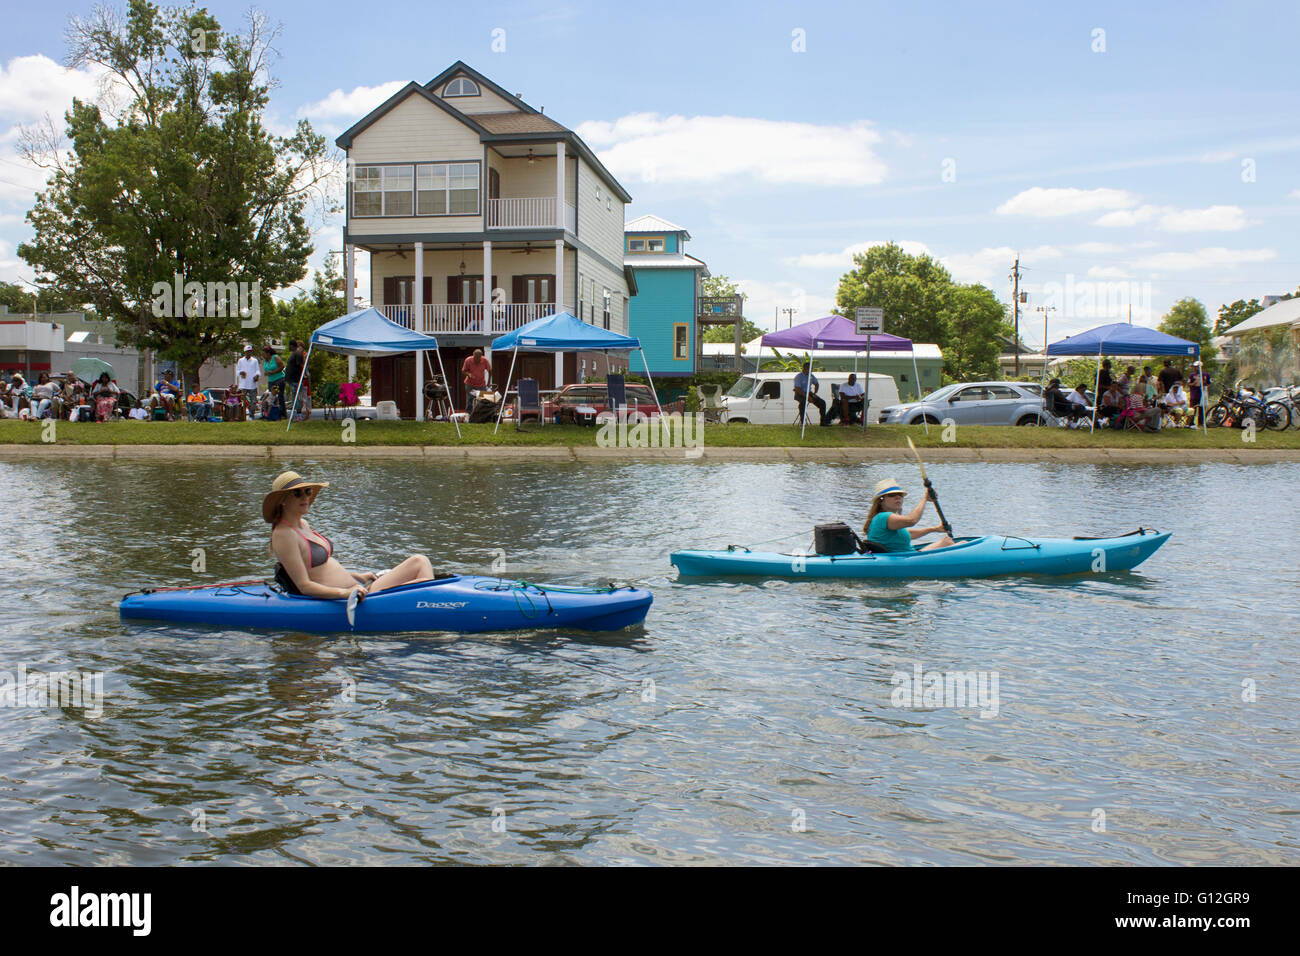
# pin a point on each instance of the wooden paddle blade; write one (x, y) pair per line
(920, 464)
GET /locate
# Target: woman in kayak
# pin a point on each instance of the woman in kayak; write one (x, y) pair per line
(888, 527)
(307, 564)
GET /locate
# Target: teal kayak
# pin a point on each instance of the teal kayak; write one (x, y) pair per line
(978, 557)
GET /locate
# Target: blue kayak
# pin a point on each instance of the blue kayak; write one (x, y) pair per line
(462, 603)
(979, 557)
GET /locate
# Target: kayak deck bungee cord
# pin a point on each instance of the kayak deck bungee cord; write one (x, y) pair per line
(460, 602)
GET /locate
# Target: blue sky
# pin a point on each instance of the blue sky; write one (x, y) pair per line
(1165, 165)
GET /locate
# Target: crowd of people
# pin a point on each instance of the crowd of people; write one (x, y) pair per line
(259, 390)
(1150, 400)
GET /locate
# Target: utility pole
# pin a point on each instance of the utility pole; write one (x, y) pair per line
(789, 317)
(1015, 301)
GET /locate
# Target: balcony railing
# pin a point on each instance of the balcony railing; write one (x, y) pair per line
(722, 305)
(535, 213)
(467, 318)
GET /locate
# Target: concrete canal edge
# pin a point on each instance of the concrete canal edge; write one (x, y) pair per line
(277, 453)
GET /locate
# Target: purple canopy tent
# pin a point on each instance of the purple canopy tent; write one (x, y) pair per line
(836, 333)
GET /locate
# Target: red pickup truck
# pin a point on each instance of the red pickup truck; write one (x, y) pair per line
(640, 400)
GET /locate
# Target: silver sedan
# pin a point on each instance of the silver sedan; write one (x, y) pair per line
(973, 403)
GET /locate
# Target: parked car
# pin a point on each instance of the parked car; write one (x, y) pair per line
(973, 403)
(767, 398)
(640, 400)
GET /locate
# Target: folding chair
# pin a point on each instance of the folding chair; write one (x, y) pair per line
(615, 393)
(528, 401)
(711, 402)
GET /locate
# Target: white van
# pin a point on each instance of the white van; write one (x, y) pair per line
(767, 398)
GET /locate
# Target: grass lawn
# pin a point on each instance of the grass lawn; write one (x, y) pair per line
(422, 433)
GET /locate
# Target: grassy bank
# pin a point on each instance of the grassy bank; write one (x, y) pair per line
(370, 433)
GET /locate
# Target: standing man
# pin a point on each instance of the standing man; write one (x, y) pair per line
(1168, 376)
(247, 375)
(475, 372)
(294, 373)
(802, 383)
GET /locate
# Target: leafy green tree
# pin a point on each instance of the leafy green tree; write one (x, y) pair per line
(1239, 311)
(19, 299)
(914, 291)
(727, 333)
(302, 315)
(973, 319)
(719, 286)
(184, 182)
(1187, 319)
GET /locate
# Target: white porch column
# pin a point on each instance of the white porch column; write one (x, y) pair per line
(349, 300)
(487, 292)
(559, 185)
(417, 323)
(559, 296)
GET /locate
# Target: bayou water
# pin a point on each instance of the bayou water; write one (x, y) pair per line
(1139, 718)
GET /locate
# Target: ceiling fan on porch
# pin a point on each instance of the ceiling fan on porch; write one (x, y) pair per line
(527, 250)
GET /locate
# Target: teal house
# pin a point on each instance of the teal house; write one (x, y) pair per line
(662, 313)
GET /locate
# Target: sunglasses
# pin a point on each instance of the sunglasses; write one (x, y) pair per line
(301, 492)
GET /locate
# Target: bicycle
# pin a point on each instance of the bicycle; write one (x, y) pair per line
(1237, 405)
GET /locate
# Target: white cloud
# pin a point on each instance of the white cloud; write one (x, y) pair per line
(764, 297)
(1218, 156)
(32, 86)
(352, 105)
(991, 266)
(1108, 272)
(1214, 257)
(1293, 194)
(1210, 219)
(707, 149)
(1045, 203)
(1123, 218)
(1098, 248)
(843, 260)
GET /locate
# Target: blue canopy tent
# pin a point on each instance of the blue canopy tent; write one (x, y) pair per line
(367, 333)
(1120, 338)
(565, 332)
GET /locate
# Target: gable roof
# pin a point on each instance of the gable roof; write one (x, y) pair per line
(344, 140)
(491, 127)
(650, 223)
(461, 67)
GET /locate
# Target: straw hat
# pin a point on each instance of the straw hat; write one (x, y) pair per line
(887, 487)
(283, 484)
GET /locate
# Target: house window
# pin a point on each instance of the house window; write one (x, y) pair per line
(679, 340)
(608, 298)
(654, 245)
(461, 86)
(636, 245)
(382, 191)
(447, 189)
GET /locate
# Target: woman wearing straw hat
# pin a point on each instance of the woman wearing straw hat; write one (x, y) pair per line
(307, 565)
(888, 527)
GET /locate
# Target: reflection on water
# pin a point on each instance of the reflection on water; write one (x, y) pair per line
(745, 721)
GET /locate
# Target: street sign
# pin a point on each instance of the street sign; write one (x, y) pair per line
(869, 319)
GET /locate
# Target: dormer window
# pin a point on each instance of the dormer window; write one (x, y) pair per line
(461, 86)
(636, 245)
(654, 245)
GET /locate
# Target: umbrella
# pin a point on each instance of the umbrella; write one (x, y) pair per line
(89, 369)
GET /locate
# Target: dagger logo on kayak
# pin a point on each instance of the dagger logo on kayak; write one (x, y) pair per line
(440, 605)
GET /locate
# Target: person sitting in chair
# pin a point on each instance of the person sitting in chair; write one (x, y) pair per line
(1112, 402)
(803, 383)
(849, 404)
(306, 563)
(888, 528)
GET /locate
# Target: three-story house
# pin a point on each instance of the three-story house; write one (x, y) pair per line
(480, 214)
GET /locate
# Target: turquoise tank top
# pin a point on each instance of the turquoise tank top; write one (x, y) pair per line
(899, 539)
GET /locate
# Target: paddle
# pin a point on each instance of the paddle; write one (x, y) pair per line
(354, 598)
(930, 488)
